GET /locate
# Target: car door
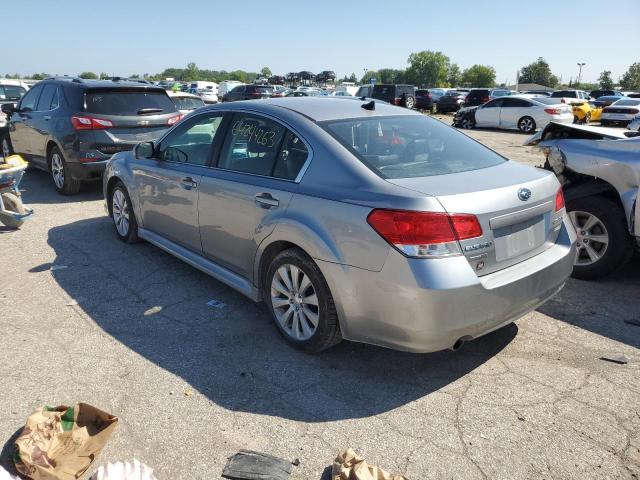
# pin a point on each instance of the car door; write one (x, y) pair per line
(42, 122)
(21, 123)
(168, 184)
(254, 179)
(488, 115)
(512, 110)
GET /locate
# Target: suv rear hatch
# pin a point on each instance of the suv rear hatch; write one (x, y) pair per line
(122, 117)
(514, 204)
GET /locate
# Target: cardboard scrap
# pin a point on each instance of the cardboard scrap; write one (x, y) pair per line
(349, 466)
(124, 471)
(61, 443)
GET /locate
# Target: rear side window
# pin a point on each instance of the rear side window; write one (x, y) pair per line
(46, 99)
(123, 102)
(261, 146)
(411, 146)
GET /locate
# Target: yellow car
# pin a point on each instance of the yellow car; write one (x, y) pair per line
(585, 112)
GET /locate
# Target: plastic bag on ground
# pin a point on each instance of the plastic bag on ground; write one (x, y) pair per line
(349, 466)
(124, 471)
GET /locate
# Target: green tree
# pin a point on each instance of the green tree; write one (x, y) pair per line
(135, 75)
(428, 68)
(88, 75)
(39, 76)
(369, 74)
(454, 77)
(191, 72)
(538, 72)
(605, 81)
(104, 75)
(266, 72)
(479, 76)
(631, 78)
(353, 78)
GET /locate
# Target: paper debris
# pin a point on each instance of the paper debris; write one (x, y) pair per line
(216, 303)
(71, 303)
(348, 465)
(188, 393)
(153, 310)
(124, 471)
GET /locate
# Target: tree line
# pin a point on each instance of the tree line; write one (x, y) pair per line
(424, 69)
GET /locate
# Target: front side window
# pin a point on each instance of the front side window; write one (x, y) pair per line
(30, 100)
(191, 143)
(410, 146)
(252, 145)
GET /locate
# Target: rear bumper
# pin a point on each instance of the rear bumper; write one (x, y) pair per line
(87, 171)
(427, 305)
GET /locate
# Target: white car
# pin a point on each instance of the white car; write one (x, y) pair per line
(514, 112)
(226, 86)
(621, 111)
(208, 95)
(11, 91)
(635, 124)
(186, 102)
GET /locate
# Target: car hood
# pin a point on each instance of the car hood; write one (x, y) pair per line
(557, 131)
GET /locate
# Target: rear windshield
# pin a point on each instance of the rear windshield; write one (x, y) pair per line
(478, 92)
(548, 100)
(626, 103)
(564, 93)
(411, 146)
(187, 103)
(119, 102)
(263, 89)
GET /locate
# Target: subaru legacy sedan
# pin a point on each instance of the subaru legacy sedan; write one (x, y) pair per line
(350, 219)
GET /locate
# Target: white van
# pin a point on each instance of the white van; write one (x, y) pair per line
(201, 85)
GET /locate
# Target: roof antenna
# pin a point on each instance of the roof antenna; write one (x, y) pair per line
(369, 106)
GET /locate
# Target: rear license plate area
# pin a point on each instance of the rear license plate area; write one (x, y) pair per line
(515, 240)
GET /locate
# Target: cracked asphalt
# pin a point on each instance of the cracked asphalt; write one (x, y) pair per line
(128, 329)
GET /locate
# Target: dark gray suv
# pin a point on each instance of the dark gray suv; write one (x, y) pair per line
(70, 127)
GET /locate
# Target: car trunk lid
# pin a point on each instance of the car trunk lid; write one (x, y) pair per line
(514, 204)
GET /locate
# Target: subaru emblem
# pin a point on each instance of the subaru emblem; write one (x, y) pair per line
(524, 194)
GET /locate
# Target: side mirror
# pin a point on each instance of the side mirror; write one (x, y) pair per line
(143, 150)
(8, 108)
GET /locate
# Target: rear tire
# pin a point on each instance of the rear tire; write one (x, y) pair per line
(60, 173)
(527, 125)
(7, 148)
(301, 303)
(467, 122)
(13, 204)
(598, 217)
(409, 102)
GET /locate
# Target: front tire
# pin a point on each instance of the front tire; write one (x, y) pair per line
(13, 204)
(124, 219)
(301, 303)
(467, 122)
(62, 180)
(604, 244)
(527, 125)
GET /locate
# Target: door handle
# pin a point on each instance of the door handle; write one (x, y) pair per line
(265, 200)
(188, 183)
(47, 117)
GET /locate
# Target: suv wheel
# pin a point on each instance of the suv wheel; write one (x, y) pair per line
(7, 149)
(124, 220)
(603, 244)
(301, 303)
(61, 177)
(409, 102)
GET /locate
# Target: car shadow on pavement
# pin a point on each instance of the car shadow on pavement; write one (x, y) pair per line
(37, 187)
(156, 305)
(603, 306)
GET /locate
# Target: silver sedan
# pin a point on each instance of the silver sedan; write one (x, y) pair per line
(349, 219)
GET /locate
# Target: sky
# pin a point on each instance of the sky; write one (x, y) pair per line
(143, 36)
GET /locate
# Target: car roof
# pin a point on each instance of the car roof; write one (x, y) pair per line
(318, 108)
(102, 84)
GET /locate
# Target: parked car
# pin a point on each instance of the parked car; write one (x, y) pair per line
(566, 94)
(606, 100)
(585, 112)
(276, 80)
(341, 93)
(620, 112)
(452, 101)
(226, 86)
(477, 96)
(303, 93)
(326, 76)
(11, 91)
(543, 93)
(186, 102)
(248, 92)
(635, 124)
(70, 127)
(424, 100)
(208, 95)
(403, 95)
(499, 92)
(437, 93)
(377, 224)
(513, 112)
(600, 174)
(279, 91)
(595, 94)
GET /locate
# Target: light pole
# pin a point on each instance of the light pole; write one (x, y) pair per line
(580, 65)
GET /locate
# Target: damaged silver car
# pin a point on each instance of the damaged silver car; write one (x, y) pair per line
(599, 169)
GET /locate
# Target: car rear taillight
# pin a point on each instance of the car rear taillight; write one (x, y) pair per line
(484, 99)
(397, 101)
(424, 234)
(559, 200)
(85, 122)
(632, 111)
(175, 119)
(553, 111)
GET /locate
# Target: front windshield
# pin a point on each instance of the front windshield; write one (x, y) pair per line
(411, 146)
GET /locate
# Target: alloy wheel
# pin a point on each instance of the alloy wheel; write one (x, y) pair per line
(120, 209)
(57, 170)
(410, 103)
(593, 238)
(526, 124)
(466, 123)
(295, 302)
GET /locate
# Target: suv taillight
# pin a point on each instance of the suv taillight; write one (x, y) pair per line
(175, 119)
(559, 200)
(424, 234)
(85, 122)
